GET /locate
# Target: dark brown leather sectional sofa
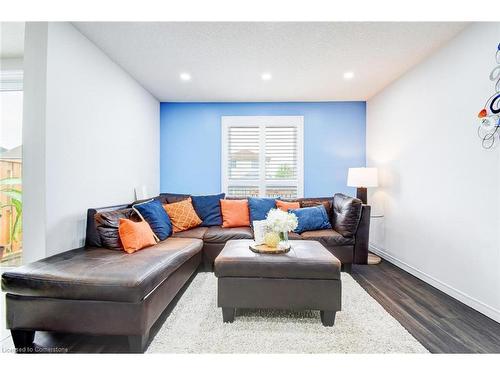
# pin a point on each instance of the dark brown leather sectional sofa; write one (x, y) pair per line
(348, 240)
(95, 290)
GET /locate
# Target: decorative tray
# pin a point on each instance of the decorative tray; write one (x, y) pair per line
(264, 249)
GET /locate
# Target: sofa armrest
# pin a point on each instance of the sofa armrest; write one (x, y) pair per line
(92, 238)
(362, 237)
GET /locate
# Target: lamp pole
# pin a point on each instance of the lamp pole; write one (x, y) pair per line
(361, 193)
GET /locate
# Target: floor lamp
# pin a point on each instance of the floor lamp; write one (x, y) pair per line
(362, 178)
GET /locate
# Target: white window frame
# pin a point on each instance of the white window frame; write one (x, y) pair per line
(262, 122)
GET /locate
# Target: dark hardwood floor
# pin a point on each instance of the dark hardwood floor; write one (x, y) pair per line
(441, 323)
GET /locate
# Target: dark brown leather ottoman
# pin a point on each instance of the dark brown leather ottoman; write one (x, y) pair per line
(305, 278)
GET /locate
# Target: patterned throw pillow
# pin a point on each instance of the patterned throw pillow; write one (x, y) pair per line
(182, 215)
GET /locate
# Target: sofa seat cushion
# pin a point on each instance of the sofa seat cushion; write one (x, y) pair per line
(328, 237)
(101, 274)
(294, 236)
(218, 234)
(198, 232)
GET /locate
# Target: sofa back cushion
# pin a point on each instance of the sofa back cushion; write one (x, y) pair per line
(346, 214)
(92, 236)
(135, 235)
(235, 213)
(107, 224)
(172, 197)
(208, 208)
(182, 215)
(311, 218)
(153, 212)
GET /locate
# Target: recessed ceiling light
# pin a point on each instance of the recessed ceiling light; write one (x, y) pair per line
(266, 76)
(185, 76)
(348, 75)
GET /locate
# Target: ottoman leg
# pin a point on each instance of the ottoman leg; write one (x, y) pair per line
(138, 343)
(347, 267)
(22, 339)
(228, 314)
(327, 318)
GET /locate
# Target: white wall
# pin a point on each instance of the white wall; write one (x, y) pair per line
(440, 191)
(34, 87)
(101, 136)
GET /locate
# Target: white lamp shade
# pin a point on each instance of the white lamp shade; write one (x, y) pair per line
(362, 177)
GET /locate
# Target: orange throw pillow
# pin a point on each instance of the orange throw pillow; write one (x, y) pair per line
(135, 235)
(182, 215)
(235, 213)
(285, 206)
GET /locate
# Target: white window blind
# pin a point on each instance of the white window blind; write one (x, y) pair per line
(11, 80)
(262, 156)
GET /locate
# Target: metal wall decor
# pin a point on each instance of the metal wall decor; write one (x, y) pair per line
(489, 116)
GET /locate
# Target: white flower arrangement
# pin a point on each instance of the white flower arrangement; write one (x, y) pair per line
(280, 221)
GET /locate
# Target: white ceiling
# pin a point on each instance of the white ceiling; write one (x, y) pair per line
(11, 40)
(306, 60)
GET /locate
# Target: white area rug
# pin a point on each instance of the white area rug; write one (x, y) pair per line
(363, 326)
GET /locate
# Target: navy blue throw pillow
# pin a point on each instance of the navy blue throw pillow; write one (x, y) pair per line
(208, 208)
(259, 207)
(311, 218)
(153, 212)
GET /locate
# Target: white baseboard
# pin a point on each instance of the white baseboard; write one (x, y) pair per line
(455, 293)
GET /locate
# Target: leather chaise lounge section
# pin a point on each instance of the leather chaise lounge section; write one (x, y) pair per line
(95, 290)
(98, 291)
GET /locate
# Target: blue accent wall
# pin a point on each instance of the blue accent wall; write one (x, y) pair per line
(190, 143)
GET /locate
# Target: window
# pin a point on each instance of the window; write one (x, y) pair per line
(11, 120)
(262, 156)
